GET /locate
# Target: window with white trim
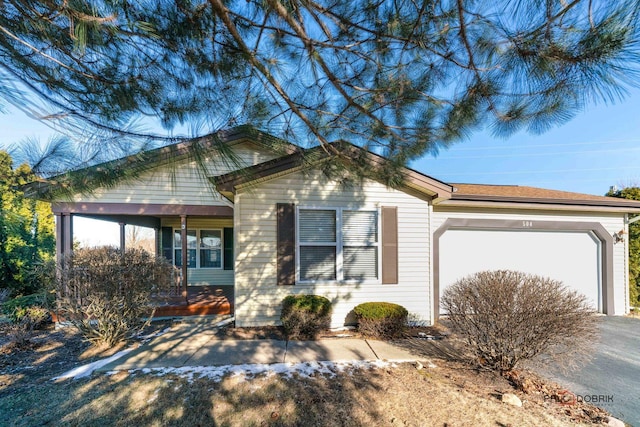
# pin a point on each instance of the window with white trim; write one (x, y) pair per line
(204, 248)
(337, 244)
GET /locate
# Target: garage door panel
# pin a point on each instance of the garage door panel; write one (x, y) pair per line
(571, 257)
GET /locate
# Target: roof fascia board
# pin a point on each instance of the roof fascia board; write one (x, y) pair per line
(557, 205)
(140, 209)
(546, 200)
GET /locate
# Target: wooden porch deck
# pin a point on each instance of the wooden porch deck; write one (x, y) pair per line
(201, 300)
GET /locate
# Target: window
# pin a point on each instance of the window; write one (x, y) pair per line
(210, 248)
(204, 248)
(360, 244)
(337, 244)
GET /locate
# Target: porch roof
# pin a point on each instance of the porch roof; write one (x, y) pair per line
(145, 215)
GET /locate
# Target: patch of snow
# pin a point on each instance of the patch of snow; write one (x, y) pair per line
(86, 370)
(146, 338)
(344, 328)
(248, 371)
(224, 322)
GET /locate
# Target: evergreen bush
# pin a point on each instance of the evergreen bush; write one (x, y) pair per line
(305, 316)
(381, 319)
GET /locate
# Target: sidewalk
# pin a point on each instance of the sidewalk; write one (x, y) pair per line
(197, 345)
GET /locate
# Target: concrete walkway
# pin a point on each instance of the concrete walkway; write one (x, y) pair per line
(197, 345)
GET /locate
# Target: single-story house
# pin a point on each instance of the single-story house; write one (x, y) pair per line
(273, 223)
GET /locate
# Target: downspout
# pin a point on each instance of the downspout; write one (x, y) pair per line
(123, 237)
(236, 230)
(628, 221)
(432, 304)
(627, 302)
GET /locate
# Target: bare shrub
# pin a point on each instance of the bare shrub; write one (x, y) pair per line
(20, 336)
(107, 295)
(508, 317)
(23, 322)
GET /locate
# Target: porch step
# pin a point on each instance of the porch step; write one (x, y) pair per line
(221, 308)
(206, 320)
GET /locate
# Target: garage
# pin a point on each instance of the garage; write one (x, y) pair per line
(574, 253)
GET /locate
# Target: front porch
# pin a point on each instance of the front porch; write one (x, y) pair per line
(198, 240)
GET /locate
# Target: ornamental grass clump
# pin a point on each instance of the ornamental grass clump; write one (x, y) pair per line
(508, 317)
(381, 319)
(305, 316)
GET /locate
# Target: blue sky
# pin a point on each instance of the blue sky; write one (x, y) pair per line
(600, 147)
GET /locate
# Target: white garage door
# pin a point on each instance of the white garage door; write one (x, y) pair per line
(571, 257)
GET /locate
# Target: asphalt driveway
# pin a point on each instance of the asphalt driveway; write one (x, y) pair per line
(612, 379)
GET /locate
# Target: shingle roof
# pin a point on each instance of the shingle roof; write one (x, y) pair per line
(517, 193)
(522, 191)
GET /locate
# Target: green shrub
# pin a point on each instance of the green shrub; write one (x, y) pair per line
(33, 317)
(508, 316)
(305, 316)
(42, 276)
(107, 295)
(32, 309)
(381, 319)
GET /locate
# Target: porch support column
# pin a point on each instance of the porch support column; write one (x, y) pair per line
(157, 242)
(185, 258)
(64, 241)
(67, 233)
(122, 237)
(59, 240)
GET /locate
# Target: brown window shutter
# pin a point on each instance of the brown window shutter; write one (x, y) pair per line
(167, 243)
(389, 245)
(228, 248)
(286, 252)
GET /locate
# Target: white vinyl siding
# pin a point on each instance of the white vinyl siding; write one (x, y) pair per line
(181, 183)
(259, 298)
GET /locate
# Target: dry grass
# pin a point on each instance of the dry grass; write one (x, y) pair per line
(450, 394)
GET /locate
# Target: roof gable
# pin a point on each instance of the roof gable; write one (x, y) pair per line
(410, 181)
(130, 168)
